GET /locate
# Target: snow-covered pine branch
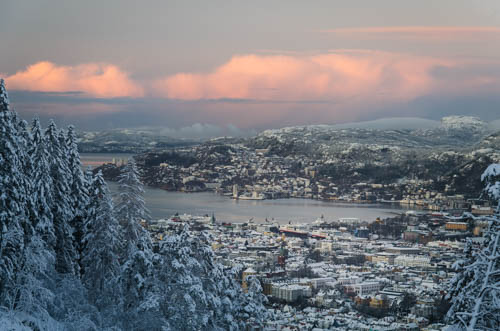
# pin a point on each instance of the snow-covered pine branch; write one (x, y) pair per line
(474, 291)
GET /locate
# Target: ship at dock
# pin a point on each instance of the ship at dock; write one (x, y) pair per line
(254, 196)
(300, 231)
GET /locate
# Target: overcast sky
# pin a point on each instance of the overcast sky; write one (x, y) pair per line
(249, 65)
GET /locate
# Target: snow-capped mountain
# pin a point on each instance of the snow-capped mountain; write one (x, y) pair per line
(395, 132)
(471, 123)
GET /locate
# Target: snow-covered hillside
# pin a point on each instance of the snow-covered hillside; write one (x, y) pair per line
(473, 124)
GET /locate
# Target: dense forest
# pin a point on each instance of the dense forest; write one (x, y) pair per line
(70, 259)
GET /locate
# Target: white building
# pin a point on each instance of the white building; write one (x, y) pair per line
(364, 288)
(412, 261)
(320, 282)
(325, 246)
(291, 293)
(349, 280)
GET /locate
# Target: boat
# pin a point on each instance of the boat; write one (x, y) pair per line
(291, 231)
(318, 235)
(294, 232)
(254, 196)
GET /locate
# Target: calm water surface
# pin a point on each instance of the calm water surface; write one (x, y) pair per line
(163, 204)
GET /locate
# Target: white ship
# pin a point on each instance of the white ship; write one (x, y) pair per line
(254, 196)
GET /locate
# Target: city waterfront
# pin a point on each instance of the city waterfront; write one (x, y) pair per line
(164, 204)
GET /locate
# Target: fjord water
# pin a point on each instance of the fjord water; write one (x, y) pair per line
(164, 204)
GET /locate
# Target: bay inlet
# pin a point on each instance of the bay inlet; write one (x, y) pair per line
(164, 204)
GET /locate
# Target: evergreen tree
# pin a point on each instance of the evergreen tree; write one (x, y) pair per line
(254, 305)
(491, 181)
(100, 254)
(41, 193)
(25, 146)
(475, 290)
(45, 199)
(12, 200)
(32, 291)
(140, 296)
(205, 295)
(78, 191)
(137, 281)
(182, 276)
(66, 255)
(131, 209)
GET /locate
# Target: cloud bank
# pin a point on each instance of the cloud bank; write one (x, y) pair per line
(335, 76)
(267, 90)
(93, 79)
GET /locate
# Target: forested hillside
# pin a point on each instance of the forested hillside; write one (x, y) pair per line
(71, 260)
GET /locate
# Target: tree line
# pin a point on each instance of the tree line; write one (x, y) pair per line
(72, 259)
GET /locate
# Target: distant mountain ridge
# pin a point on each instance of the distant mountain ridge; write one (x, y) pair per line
(452, 131)
(128, 141)
(398, 132)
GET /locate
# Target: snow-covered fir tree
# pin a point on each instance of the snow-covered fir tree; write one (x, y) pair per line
(131, 208)
(182, 275)
(66, 254)
(78, 190)
(41, 193)
(24, 289)
(254, 308)
(475, 290)
(32, 287)
(491, 181)
(139, 292)
(54, 219)
(78, 186)
(12, 199)
(25, 144)
(137, 278)
(205, 295)
(37, 264)
(101, 246)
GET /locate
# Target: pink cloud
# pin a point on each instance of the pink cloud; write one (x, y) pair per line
(279, 88)
(94, 79)
(341, 85)
(330, 77)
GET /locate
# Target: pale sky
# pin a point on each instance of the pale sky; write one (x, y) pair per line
(249, 64)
